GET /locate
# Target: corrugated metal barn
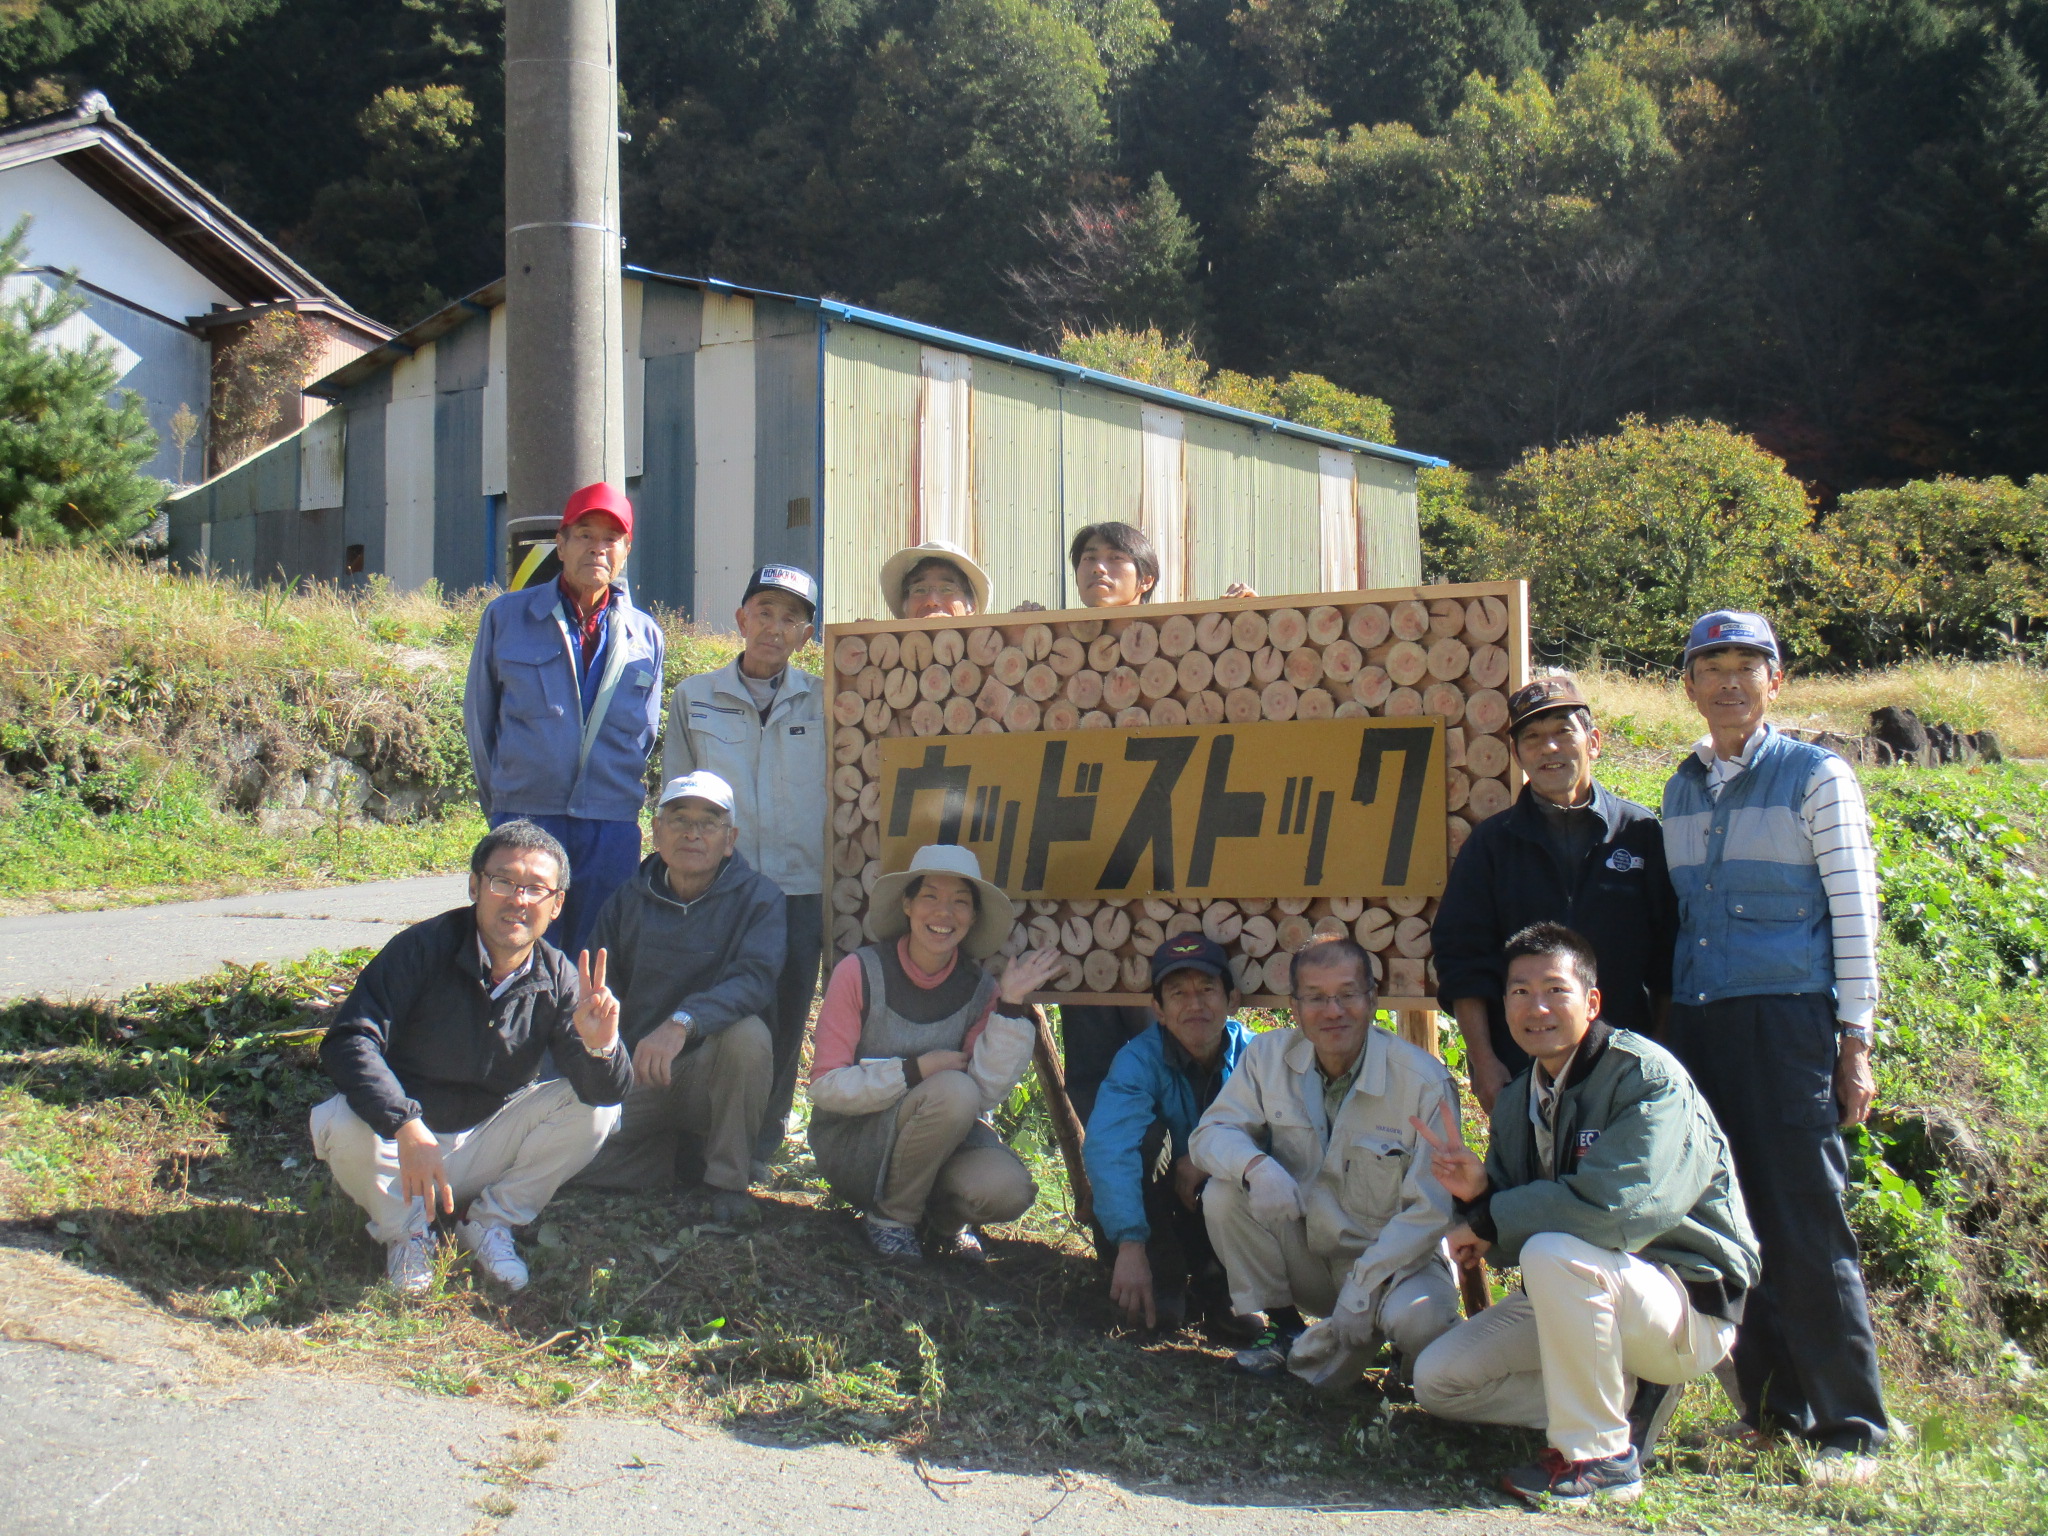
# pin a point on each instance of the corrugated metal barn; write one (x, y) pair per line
(761, 426)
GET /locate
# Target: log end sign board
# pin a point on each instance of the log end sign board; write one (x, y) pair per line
(1121, 780)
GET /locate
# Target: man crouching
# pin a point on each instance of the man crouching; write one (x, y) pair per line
(696, 942)
(436, 1052)
(1319, 1198)
(1608, 1180)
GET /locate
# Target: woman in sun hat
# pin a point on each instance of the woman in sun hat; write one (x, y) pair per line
(915, 1045)
(934, 580)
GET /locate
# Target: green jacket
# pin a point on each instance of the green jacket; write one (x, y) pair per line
(1642, 1168)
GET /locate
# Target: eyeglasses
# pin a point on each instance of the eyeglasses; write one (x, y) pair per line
(695, 827)
(1346, 1000)
(505, 889)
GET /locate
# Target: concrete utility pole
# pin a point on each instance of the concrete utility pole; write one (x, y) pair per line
(564, 385)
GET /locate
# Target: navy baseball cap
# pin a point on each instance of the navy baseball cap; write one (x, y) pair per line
(1191, 952)
(794, 580)
(1727, 626)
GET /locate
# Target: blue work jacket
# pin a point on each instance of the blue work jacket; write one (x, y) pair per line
(1143, 1088)
(537, 748)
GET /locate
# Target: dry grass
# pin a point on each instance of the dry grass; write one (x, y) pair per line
(2008, 697)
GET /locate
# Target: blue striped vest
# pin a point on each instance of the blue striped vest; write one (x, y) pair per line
(1752, 912)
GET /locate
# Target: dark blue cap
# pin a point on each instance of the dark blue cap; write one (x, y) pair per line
(794, 580)
(1191, 952)
(1727, 626)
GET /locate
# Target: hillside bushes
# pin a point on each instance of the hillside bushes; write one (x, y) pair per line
(1626, 538)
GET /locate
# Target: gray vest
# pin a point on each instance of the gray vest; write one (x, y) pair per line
(853, 1150)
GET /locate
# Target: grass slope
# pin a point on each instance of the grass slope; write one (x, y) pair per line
(143, 712)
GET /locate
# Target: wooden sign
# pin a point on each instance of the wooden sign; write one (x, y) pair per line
(1315, 690)
(1297, 808)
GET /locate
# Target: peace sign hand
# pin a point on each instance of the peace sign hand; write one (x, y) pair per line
(1456, 1166)
(597, 1014)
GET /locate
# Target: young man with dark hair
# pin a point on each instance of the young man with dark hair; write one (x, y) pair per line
(758, 722)
(1148, 1210)
(1317, 1200)
(436, 1055)
(1115, 565)
(1608, 1181)
(1774, 997)
(1569, 851)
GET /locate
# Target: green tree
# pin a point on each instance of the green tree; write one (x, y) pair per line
(1946, 567)
(1460, 541)
(71, 447)
(1306, 398)
(1147, 356)
(986, 116)
(387, 224)
(1971, 214)
(1626, 539)
(1129, 265)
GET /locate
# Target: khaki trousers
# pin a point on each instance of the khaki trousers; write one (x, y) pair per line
(718, 1091)
(1278, 1269)
(946, 1165)
(1564, 1356)
(504, 1170)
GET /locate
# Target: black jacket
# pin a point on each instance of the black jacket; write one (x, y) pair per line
(1620, 898)
(716, 958)
(419, 1035)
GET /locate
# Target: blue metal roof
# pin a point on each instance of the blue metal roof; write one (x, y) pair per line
(954, 341)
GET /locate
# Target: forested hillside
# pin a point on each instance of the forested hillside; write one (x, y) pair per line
(1824, 222)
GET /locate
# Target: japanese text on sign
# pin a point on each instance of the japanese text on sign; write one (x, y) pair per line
(1297, 808)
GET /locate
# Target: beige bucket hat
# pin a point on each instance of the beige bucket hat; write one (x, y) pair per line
(991, 924)
(904, 561)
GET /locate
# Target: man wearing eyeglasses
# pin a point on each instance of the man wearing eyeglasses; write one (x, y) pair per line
(696, 943)
(1774, 990)
(1317, 1201)
(436, 1055)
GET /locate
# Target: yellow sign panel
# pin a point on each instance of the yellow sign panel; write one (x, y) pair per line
(1295, 808)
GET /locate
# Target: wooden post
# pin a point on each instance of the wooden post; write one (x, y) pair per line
(1066, 1125)
(1475, 1289)
(1418, 1027)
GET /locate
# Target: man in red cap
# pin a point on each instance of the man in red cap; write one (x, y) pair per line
(563, 705)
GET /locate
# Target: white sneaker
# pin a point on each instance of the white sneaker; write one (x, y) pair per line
(495, 1255)
(409, 1264)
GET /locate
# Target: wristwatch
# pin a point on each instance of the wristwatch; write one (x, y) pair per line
(1862, 1032)
(682, 1018)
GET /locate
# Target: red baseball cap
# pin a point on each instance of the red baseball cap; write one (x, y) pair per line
(600, 497)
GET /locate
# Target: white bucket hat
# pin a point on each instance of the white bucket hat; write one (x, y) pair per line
(991, 923)
(904, 561)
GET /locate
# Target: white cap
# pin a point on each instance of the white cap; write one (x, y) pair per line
(698, 786)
